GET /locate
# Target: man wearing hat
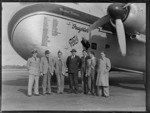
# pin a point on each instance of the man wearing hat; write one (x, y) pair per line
(47, 69)
(33, 66)
(73, 65)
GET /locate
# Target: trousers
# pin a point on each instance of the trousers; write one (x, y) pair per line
(73, 80)
(33, 79)
(103, 90)
(47, 82)
(92, 82)
(85, 84)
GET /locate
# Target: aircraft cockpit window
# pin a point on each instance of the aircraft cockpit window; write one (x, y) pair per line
(93, 45)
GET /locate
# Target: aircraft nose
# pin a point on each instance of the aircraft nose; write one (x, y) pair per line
(116, 11)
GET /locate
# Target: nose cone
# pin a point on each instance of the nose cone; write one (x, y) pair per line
(116, 11)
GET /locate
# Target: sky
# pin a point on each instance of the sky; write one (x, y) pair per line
(9, 55)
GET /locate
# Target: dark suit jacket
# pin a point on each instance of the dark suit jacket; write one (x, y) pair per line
(84, 64)
(73, 65)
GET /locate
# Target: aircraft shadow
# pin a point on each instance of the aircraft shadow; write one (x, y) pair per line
(129, 87)
(127, 83)
(53, 88)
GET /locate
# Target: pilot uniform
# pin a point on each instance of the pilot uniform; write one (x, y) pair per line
(60, 69)
(33, 65)
(102, 81)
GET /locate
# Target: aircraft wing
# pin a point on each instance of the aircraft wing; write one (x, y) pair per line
(125, 70)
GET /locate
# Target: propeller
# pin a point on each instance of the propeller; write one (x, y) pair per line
(105, 19)
(126, 5)
(121, 36)
(117, 13)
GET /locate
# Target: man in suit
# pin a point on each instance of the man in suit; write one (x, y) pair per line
(47, 69)
(102, 81)
(33, 66)
(84, 59)
(60, 70)
(73, 65)
(91, 73)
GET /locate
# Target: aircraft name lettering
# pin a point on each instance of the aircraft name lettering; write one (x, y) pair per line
(73, 41)
(83, 29)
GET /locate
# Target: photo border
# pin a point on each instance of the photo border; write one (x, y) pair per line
(101, 1)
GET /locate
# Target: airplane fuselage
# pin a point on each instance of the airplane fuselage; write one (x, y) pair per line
(55, 27)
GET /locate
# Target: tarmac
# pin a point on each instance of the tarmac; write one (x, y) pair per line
(127, 93)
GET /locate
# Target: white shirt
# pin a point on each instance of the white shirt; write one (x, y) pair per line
(73, 56)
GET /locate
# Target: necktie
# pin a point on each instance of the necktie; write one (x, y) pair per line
(47, 59)
(92, 63)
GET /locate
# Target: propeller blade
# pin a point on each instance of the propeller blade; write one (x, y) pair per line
(121, 36)
(101, 21)
(90, 35)
(126, 5)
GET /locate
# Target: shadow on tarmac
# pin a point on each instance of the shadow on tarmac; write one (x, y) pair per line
(54, 90)
(127, 82)
(128, 87)
(24, 91)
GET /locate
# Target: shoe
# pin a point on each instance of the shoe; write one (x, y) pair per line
(36, 94)
(85, 93)
(29, 95)
(94, 94)
(89, 93)
(58, 92)
(70, 91)
(97, 94)
(43, 94)
(49, 93)
(61, 92)
(76, 92)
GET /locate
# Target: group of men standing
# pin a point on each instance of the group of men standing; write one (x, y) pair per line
(94, 73)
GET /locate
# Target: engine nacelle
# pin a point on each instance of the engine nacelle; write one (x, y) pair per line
(136, 20)
(139, 38)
